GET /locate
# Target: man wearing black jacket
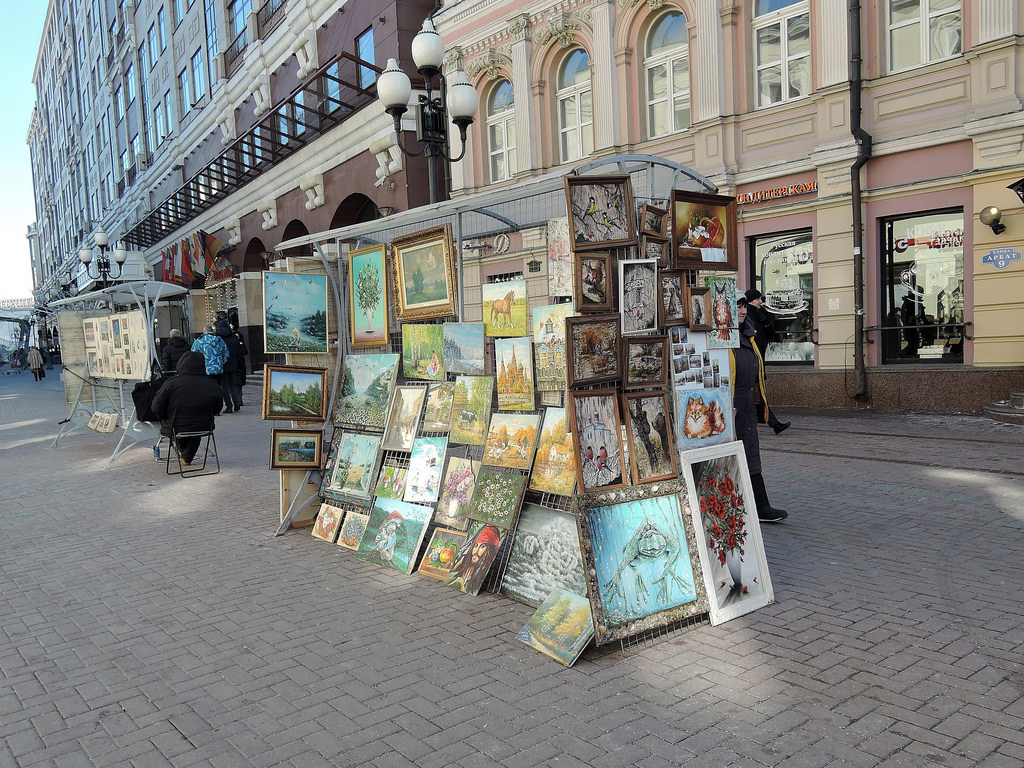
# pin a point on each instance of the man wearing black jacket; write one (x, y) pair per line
(188, 403)
(760, 320)
(172, 351)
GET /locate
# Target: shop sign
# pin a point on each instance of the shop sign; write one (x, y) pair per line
(1001, 258)
(773, 193)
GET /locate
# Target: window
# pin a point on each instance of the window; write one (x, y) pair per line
(501, 131)
(129, 78)
(119, 102)
(136, 147)
(198, 78)
(284, 123)
(364, 50)
(161, 21)
(331, 88)
(179, 11)
(184, 97)
(922, 31)
(782, 35)
(154, 45)
(211, 27)
(923, 287)
(144, 61)
(125, 162)
(160, 126)
(575, 111)
(667, 74)
(783, 271)
(238, 10)
(169, 110)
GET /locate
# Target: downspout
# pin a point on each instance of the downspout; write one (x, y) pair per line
(863, 139)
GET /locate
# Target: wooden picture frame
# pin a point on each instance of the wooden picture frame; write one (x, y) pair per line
(367, 288)
(428, 254)
(592, 349)
(306, 400)
(652, 449)
(593, 281)
(704, 231)
(602, 213)
(672, 309)
(645, 362)
(698, 307)
(597, 439)
(639, 290)
(653, 221)
(656, 248)
(296, 448)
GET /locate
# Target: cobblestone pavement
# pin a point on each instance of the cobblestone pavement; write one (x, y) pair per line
(153, 621)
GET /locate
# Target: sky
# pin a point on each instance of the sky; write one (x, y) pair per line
(19, 44)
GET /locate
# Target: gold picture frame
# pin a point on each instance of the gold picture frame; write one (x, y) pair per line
(415, 258)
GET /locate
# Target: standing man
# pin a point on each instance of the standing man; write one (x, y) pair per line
(764, 332)
(214, 350)
(35, 363)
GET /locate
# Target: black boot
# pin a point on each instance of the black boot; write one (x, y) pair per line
(766, 513)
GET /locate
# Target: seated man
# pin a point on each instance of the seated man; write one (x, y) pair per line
(188, 403)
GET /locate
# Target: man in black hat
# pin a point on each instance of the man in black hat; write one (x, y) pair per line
(764, 332)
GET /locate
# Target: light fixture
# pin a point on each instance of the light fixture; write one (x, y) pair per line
(990, 216)
(1018, 189)
(104, 267)
(394, 89)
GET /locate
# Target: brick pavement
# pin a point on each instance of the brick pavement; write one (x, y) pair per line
(153, 621)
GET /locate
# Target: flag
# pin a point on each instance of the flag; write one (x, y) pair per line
(165, 268)
(197, 249)
(186, 262)
(211, 247)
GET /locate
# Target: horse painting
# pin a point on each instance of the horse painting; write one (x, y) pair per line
(503, 308)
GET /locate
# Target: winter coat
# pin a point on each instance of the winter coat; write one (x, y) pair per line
(234, 359)
(35, 359)
(214, 350)
(171, 353)
(191, 399)
(747, 371)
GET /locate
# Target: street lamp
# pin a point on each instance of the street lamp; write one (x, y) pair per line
(394, 89)
(103, 264)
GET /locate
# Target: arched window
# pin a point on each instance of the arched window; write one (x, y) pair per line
(575, 108)
(501, 131)
(782, 56)
(667, 74)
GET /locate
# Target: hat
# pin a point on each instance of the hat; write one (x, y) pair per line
(753, 294)
(489, 535)
(741, 301)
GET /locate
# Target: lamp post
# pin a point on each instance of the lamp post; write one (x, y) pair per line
(103, 262)
(394, 89)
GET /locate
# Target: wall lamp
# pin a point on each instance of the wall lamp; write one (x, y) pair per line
(990, 216)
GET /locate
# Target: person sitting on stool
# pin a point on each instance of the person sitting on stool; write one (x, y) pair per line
(187, 403)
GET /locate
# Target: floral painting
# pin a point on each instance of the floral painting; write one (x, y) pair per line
(456, 493)
(561, 628)
(471, 409)
(365, 392)
(559, 257)
(350, 467)
(703, 417)
(724, 331)
(295, 313)
(352, 529)
(549, 345)
(440, 552)
(423, 481)
(639, 295)
(652, 451)
(475, 558)
(404, 419)
(511, 440)
(545, 555)
(505, 308)
(554, 466)
(423, 351)
(496, 497)
(437, 416)
(394, 532)
(328, 519)
(368, 306)
(513, 366)
(463, 348)
(391, 483)
(595, 426)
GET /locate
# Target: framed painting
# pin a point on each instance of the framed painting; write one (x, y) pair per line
(505, 308)
(652, 451)
(294, 393)
(456, 493)
(423, 480)
(640, 559)
(704, 417)
(367, 297)
(496, 497)
(729, 536)
(601, 211)
(597, 439)
(294, 313)
(422, 351)
(350, 469)
(639, 295)
(725, 332)
(404, 418)
(549, 346)
(653, 221)
(592, 345)
(700, 308)
(559, 257)
(296, 448)
(437, 416)
(554, 466)
(365, 391)
(645, 362)
(561, 628)
(513, 366)
(511, 440)
(440, 552)
(656, 248)
(704, 233)
(352, 529)
(328, 520)
(475, 557)
(463, 348)
(672, 310)
(545, 555)
(593, 287)
(394, 532)
(423, 274)
(391, 482)
(471, 409)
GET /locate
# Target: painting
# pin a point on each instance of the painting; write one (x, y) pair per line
(645, 362)
(601, 211)
(729, 536)
(471, 409)
(657, 249)
(294, 313)
(394, 532)
(640, 559)
(496, 497)
(704, 417)
(597, 442)
(352, 529)
(391, 482)
(561, 628)
(505, 308)
(365, 391)
(545, 555)
(704, 233)
(549, 346)
(592, 345)
(559, 257)
(463, 348)
(475, 557)
(328, 520)
(437, 416)
(423, 480)
(592, 281)
(513, 365)
(350, 467)
(653, 221)
(423, 274)
(700, 309)
(456, 493)
(725, 332)
(422, 351)
(440, 552)
(638, 295)
(296, 448)
(511, 440)
(404, 419)
(672, 309)
(554, 466)
(652, 452)
(367, 297)
(294, 393)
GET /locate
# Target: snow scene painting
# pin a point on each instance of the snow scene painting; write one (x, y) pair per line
(545, 554)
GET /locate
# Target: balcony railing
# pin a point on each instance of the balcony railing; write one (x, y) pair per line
(233, 54)
(269, 16)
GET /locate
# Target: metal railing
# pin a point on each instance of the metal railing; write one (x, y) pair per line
(269, 16)
(233, 54)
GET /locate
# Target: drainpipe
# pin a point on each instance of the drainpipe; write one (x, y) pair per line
(863, 139)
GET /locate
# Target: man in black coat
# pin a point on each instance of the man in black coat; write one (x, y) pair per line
(760, 320)
(188, 402)
(172, 351)
(229, 386)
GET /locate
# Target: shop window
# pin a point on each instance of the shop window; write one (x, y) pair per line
(575, 110)
(667, 75)
(923, 31)
(783, 271)
(782, 55)
(923, 287)
(501, 132)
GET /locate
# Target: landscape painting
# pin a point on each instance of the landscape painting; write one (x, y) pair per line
(545, 555)
(592, 345)
(639, 295)
(513, 366)
(365, 391)
(368, 305)
(296, 448)
(463, 348)
(423, 480)
(561, 628)
(471, 409)
(475, 557)
(496, 497)
(294, 313)
(437, 416)
(554, 466)
(352, 529)
(423, 274)
(703, 417)
(456, 493)
(652, 452)
(504, 307)
(549, 346)
(350, 467)
(422, 351)
(404, 419)
(440, 552)
(511, 440)
(391, 483)
(394, 532)
(297, 394)
(595, 425)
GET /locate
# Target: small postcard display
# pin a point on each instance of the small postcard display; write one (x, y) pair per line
(117, 346)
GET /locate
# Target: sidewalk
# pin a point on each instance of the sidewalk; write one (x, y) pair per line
(152, 621)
